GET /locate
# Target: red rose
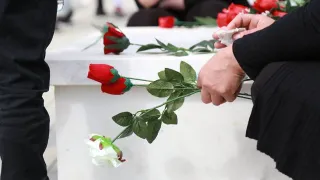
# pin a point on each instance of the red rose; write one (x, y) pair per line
(119, 87)
(222, 19)
(265, 5)
(114, 40)
(237, 8)
(166, 22)
(227, 15)
(103, 73)
(278, 13)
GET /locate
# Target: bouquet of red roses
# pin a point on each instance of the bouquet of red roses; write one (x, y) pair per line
(271, 8)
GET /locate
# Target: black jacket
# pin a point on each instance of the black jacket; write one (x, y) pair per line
(26, 29)
(294, 37)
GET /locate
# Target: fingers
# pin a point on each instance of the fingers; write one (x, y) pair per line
(241, 34)
(219, 45)
(243, 21)
(213, 98)
(216, 99)
(205, 96)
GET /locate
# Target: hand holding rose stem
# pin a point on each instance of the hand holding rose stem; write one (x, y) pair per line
(147, 123)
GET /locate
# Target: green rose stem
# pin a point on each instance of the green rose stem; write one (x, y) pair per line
(137, 79)
(94, 43)
(136, 44)
(241, 95)
(146, 85)
(174, 99)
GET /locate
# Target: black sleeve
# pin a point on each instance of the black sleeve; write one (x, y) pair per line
(141, 7)
(295, 37)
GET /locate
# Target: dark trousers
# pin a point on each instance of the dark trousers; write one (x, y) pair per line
(24, 132)
(209, 8)
(26, 29)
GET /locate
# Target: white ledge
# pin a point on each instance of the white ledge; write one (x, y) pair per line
(69, 65)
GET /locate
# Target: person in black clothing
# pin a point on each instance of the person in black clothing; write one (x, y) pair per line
(184, 10)
(26, 30)
(283, 59)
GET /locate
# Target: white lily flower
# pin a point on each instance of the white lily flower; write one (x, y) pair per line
(103, 152)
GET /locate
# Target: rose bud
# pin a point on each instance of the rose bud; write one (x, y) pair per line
(119, 87)
(103, 73)
(114, 40)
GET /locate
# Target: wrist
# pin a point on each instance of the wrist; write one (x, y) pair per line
(233, 61)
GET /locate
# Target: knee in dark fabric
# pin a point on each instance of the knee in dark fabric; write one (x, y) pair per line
(147, 17)
(209, 8)
(263, 78)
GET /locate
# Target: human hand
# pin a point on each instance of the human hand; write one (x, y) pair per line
(252, 22)
(220, 78)
(148, 3)
(173, 4)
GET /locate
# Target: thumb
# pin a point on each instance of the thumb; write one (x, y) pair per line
(241, 34)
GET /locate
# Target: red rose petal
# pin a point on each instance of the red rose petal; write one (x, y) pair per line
(166, 22)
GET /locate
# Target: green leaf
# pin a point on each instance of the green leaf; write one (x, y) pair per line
(171, 48)
(173, 75)
(169, 118)
(209, 21)
(204, 44)
(140, 127)
(252, 11)
(153, 130)
(161, 44)
(201, 50)
(289, 7)
(187, 91)
(162, 75)
(175, 105)
(151, 115)
(148, 47)
(123, 119)
(127, 132)
(160, 88)
(188, 73)
(180, 53)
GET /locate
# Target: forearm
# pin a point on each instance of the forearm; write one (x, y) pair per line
(295, 37)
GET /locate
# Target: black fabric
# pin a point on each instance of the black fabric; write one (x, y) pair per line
(294, 37)
(141, 7)
(149, 17)
(284, 61)
(26, 29)
(285, 118)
